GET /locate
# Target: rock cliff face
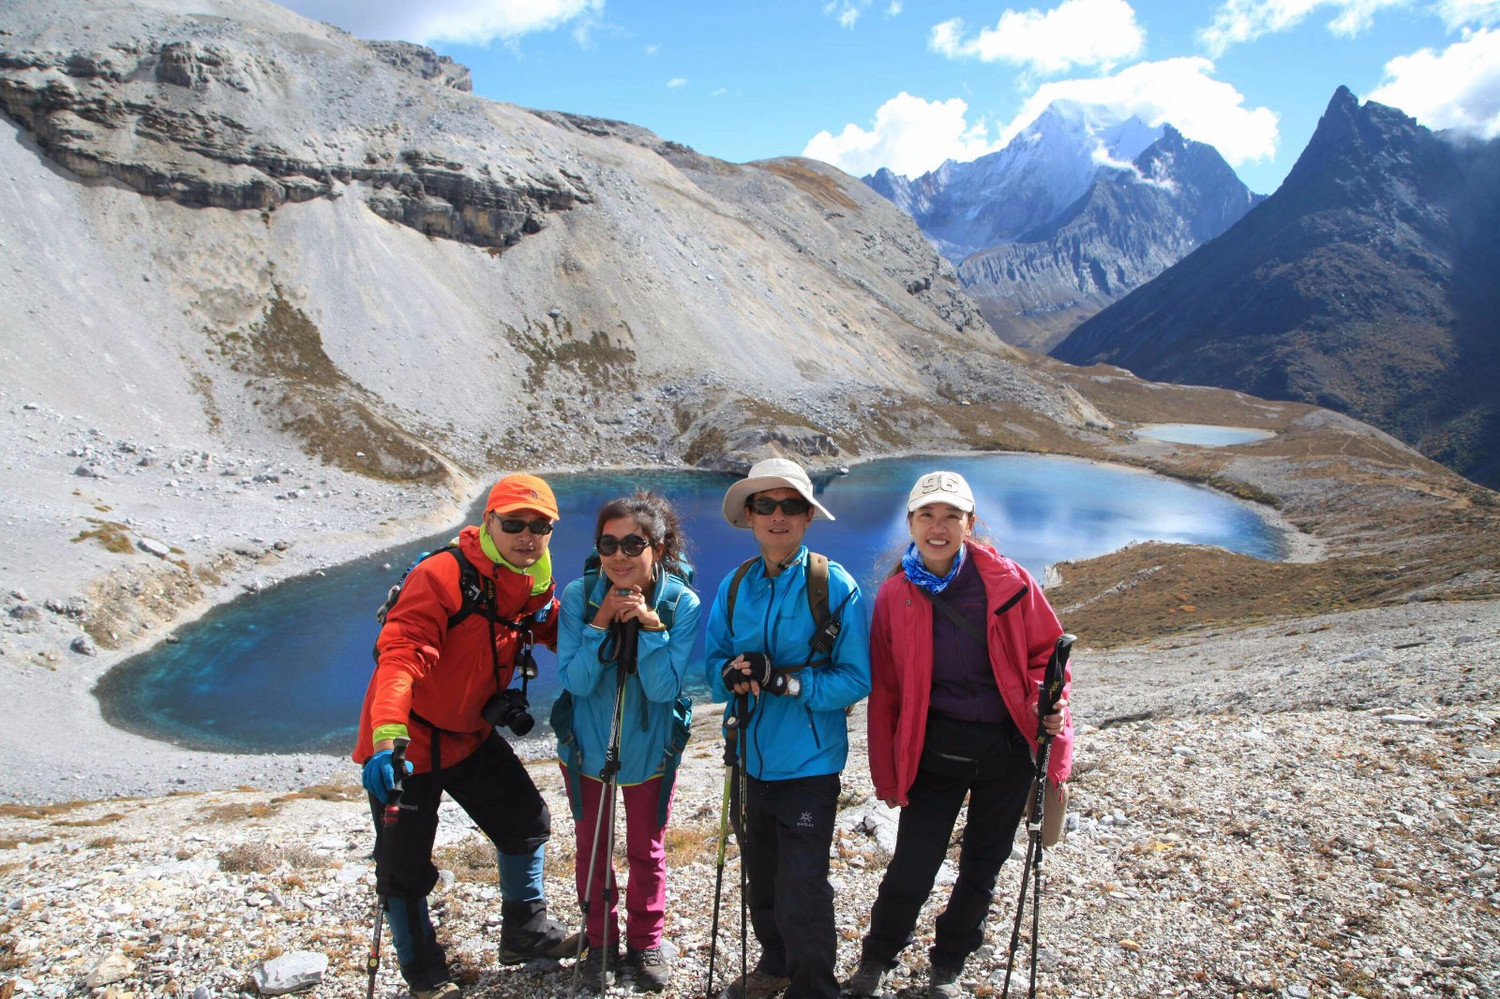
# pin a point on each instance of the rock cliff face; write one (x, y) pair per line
(291, 232)
(1131, 225)
(1366, 284)
(262, 111)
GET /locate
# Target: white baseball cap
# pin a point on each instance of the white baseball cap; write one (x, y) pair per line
(941, 487)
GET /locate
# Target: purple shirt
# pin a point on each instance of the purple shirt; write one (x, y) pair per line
(963, 684)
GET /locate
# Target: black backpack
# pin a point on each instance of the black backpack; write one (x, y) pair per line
(471, 587)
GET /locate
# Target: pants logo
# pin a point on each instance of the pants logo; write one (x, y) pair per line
(805, 820)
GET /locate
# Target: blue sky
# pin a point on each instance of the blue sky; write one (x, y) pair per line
(909, 83)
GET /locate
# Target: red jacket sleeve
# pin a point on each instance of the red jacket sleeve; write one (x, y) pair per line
(884, 709)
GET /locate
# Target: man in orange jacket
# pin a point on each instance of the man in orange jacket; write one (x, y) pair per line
(441, 682)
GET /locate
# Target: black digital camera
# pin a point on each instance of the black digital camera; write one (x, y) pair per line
(509, 709)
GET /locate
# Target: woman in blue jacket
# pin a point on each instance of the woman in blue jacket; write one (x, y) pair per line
(765, 658)
(643, 579)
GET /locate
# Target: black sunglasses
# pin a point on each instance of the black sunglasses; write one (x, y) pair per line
(631, 544)
(539, 526)
(794, 506)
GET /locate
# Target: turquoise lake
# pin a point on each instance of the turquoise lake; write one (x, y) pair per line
(285, 669)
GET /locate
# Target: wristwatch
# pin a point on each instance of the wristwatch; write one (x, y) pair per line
(793, 686)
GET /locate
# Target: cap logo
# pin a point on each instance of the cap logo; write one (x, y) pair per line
(939, 482)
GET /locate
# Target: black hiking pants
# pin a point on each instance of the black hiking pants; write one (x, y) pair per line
(785, 843)
(991, 765)
(490, 785)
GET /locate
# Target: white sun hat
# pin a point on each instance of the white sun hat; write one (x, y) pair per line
(770, 473)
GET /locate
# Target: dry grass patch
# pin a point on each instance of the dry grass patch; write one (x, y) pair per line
(471, 860)
(242, 811)
(102, 820)
(263, 858)
(111, 534)
(327, 792)
(41, 811)
(688, 842)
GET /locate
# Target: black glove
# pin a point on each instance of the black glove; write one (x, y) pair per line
(760, 670)
(783, 684)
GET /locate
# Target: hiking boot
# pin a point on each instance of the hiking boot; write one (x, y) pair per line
(535, 937)
(756, 985)
(447, 990)
(866, 982)
(652, 969)
(944, 983)
(554, 947)
(595, 963)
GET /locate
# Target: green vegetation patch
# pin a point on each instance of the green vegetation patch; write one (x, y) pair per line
(583, 365)
(314, 400)
(111, 534)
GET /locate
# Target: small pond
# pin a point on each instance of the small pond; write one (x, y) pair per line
(1202, 434)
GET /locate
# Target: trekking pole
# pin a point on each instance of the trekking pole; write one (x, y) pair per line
(1049, 691)
(742, 707)
(388, 820)
(731, 735)
(625, 653)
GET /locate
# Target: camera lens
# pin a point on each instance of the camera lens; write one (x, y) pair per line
(521, 723)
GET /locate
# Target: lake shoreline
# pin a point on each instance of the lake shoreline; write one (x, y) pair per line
(85, 757)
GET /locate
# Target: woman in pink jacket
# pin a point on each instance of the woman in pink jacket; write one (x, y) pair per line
(952, 714)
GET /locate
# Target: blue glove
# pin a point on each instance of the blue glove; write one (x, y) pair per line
(379, 775)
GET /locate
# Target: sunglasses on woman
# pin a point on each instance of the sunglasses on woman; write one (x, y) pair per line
(631, 544)
(514, 525)
(794, 506)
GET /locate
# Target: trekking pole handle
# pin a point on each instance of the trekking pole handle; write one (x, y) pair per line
(1050, 687)
(398, 766)
(630, 634)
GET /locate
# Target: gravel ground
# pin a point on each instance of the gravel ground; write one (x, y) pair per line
(1296, 810)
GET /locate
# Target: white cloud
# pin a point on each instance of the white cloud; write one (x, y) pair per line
(909, 135)
(472, 22)
(1246, 20)
(1457, 88)
(1075, 33)
(846, 12)
(1474, 13)
(894, 8)
(677, 81)
(1181, 92)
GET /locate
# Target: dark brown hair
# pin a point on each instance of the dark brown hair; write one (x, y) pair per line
(654, 515)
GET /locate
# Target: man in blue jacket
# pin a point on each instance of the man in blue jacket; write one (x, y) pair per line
(794, 677)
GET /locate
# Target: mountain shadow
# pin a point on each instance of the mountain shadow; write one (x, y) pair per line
(1365, 284)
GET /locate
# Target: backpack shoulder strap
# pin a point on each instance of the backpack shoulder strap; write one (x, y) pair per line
(672, 589)
(471, 590)
(734, 589)
(817, 588)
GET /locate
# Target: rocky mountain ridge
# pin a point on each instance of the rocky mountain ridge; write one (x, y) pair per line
(1080, 208)
(1129, 226)
(967, 207)
(1364, 284)
(300, 241)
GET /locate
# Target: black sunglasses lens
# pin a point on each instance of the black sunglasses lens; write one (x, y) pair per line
(538, 527)
(631, 544)
(795, 506)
